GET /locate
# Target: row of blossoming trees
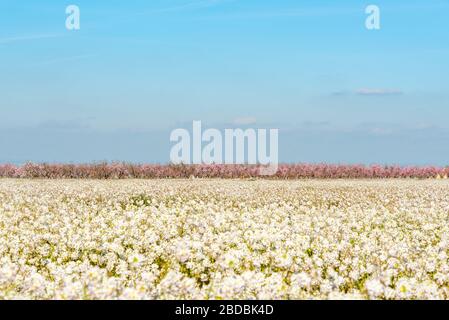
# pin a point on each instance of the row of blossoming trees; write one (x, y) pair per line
(153, 171)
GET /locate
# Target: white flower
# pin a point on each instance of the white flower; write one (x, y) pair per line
(302, 280)
(375, 288)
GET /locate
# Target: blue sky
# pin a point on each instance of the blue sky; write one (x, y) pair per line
(135, 70)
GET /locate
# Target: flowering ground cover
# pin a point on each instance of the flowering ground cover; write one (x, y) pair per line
(224, 239)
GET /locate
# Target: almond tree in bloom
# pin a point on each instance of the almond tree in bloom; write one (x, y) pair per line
(150, 171)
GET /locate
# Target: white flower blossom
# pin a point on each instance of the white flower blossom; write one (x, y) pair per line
(224, 239)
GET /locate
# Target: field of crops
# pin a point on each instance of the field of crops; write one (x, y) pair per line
(224, 239)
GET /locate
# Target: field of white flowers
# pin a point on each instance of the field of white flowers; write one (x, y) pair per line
(224, 239)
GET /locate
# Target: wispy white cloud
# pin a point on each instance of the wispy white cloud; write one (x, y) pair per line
(368, 92)
(28, 38)
(65, 59)
(198, 4)
(289, 12)
(378, 92)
